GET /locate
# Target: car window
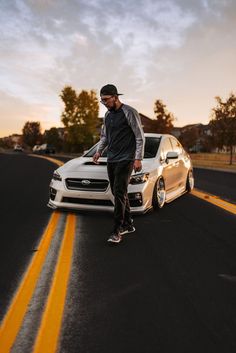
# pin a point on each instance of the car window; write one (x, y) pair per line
(176, 146)
(165, 147)
(150, 148)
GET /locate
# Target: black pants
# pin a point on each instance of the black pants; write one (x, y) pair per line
(119, 176)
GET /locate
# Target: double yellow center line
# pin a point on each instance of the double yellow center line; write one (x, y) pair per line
(48, 333)
(49, 330)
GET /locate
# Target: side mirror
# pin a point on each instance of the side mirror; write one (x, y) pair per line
(172, 155)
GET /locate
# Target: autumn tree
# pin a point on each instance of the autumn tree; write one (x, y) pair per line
(223, 124)
(80, 117)
(31, 133)
(163, 122)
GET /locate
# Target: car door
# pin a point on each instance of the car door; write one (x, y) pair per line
(169, 171)
(180, 169)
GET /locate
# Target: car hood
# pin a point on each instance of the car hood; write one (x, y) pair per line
(84, 165)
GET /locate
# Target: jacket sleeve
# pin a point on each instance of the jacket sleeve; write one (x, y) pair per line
(103, 139)
(135, 123)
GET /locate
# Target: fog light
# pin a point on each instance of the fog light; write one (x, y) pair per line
(135, 199)
(52, 193)
(137, 196)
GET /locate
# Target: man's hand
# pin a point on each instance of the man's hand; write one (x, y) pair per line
(137, 165)
(96, 156)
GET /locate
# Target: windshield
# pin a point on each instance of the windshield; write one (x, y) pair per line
(150, 148)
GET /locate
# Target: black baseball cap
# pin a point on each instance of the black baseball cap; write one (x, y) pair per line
(109, 90)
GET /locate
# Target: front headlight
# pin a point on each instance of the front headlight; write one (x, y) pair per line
(139, 178)
(56, 176)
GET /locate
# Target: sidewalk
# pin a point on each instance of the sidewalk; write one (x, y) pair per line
(214, 161)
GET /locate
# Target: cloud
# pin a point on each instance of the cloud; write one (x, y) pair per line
(55, 34)
(179, 50)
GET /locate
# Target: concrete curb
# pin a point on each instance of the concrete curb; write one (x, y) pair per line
(215, 168)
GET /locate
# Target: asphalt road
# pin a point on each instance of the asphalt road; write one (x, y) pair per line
(23, 215)
(215, 182)
(169, 287)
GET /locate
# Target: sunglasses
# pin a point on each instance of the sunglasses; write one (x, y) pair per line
(105, 100)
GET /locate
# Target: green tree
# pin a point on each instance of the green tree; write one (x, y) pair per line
(189, 137)
(52, 137)
(80, 118)
(223, 124)
(163, 122)
(31, 133)
(70, 115)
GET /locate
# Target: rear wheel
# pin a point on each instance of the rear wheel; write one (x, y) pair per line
(190, 181)
(159, 194)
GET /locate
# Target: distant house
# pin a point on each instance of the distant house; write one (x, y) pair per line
(147, 123)
(196, 137)
(176, 131)
(11, 141)
(203, 129)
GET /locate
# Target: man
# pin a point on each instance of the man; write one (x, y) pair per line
(123, 136)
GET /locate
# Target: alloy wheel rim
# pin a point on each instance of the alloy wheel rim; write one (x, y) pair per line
(190, 180)
(160, 193)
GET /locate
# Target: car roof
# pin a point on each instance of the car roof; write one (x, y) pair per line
(148, 134)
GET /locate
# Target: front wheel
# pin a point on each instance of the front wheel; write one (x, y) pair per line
(190, 181)
(159, 194)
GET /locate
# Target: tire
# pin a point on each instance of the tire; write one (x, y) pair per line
(190, 181)
(159, 194)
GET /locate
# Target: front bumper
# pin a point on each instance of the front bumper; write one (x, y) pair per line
(140, 197)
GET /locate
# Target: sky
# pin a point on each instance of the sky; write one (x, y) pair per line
(180, 51)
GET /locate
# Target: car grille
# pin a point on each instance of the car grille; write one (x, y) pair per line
(80, 201)
(84, 184)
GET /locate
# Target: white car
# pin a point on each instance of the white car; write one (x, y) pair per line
(167, 173)
(36, 148)
(18, 148)
(43, 149)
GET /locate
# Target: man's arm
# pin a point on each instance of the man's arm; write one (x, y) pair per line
(137, 165)
(101, 145)
(136, 126)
